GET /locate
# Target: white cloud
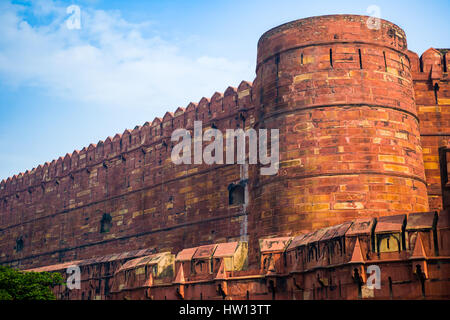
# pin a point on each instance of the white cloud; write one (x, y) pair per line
(110, 62)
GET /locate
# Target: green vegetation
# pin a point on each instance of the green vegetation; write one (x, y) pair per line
(19, 285)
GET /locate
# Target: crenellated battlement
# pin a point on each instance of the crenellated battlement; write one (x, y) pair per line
(432, 65)
(219, 105)
(92, 181)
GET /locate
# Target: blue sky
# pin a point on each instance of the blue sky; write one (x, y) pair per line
(131, 61)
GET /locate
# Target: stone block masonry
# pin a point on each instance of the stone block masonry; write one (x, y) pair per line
(361, 120)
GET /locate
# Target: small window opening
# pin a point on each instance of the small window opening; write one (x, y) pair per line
(360, 59)
(106, 288)
(105, 223)
(331, 58)
(301, 59)
(236, 194)
(421, 278)
(391, 294)
(385, 62)
(436, 89)
(19, 244)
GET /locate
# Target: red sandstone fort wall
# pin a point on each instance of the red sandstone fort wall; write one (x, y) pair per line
(56, 209)
(432, 94)
(344, 98)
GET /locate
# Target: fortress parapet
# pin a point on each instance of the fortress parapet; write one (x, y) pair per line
(410, 251)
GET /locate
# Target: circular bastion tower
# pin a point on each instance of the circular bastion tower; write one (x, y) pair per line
(339, 89)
